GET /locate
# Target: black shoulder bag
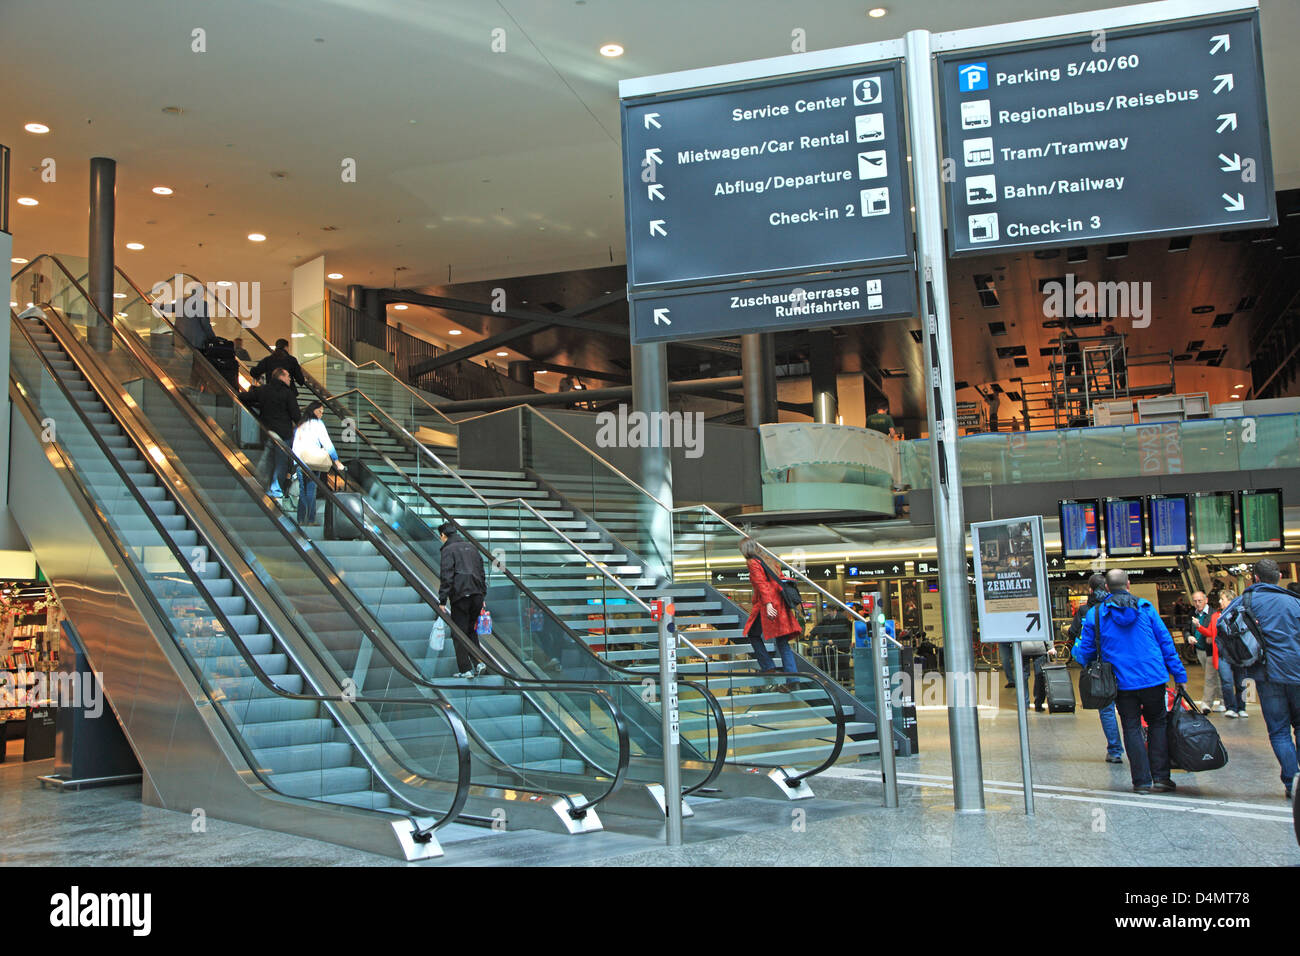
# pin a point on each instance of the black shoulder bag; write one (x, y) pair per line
(1097, 687)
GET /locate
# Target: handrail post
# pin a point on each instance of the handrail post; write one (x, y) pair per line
(662, 611)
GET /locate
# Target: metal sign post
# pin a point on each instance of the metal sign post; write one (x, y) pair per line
(884, 701)
(663, 612)
(1022, 707)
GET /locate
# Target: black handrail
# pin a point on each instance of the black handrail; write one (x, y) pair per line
(230, 632)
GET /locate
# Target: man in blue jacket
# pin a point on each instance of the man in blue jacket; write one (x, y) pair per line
(1277, 675)
(1139, 648)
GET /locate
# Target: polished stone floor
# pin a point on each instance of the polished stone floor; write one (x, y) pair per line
(1085, 815)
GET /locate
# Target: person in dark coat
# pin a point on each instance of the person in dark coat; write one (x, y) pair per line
(1109, 721)
(280, 358)
(461, 589)
(769, 619)
(277, 404)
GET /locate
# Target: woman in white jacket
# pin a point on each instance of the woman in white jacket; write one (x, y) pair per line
(312, 447)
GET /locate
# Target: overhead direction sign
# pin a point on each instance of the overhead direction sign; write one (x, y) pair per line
(1011, 580)
(1163, 130)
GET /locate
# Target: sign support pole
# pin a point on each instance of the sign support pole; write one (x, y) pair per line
(670, 715)
(949, 522)
(1022, 705)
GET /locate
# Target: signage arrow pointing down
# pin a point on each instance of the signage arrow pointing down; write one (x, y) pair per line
(1229, 121)
(1221, 41)
(1234, 204)
(657, 227)
(651, 119)
(654, 191)
(1225, 79)
(661, 317)
(1035, 621)
(1230, 165)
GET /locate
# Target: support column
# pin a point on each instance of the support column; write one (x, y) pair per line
(521, 372)
(758, 367)
(357, 297)
(103, 186)
(650, 395)
(949, 522)
(825, 390)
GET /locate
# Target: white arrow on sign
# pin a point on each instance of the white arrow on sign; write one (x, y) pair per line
(655, 190)
(652, 119)
(1236, 204)
(657, 227)
(1229, 121)
(1225, 79)
(652, 156)
(1231, 165)
(895, 569)
(661, 317)
(1220, 41)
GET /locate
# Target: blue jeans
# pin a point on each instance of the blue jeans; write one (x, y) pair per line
(1110, 726)
(307, 497)
(1233, 680)
(279, 470)
(1148, 759)
(783, 647)
(1280, 705)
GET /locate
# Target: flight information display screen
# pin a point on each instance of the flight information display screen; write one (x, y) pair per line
(1170, 524)
(1212, 521)
(1261, 520)
(1079, 538)
(1124, 527)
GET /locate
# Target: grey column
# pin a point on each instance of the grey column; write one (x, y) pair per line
(825, 390)
(521, 372)
(103, 185)
(949, 522)
(758, 366)
(357, 297)
(650, 395)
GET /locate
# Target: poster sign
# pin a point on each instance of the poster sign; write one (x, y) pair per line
(1011, 574)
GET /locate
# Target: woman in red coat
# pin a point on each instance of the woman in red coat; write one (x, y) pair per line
(769, 619)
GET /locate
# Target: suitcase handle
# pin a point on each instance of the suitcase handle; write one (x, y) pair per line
(1183, 695)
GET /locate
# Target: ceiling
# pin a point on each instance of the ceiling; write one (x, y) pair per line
(475, 165)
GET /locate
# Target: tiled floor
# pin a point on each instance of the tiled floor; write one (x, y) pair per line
(1085, 815)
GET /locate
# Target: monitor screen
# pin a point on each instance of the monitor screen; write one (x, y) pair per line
(1261, 520)
(1124, 527)
(1079, 529)
(1212, 521)
(1168, 518)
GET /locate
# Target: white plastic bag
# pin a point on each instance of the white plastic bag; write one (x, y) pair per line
(438, 635)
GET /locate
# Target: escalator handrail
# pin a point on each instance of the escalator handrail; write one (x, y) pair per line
(377, 635)
(230, 632)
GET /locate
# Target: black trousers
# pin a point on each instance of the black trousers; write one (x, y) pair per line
(464, 614)
(1148, 756)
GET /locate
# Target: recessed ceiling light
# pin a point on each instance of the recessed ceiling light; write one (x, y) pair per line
(454, 332)
(877, 12)
(121, 315)
(162, 190)
(27, 201)
(224, 283)
(119, 295)
(256, 237)
(502, 354)
(36, 128)
(335, 275)
(400, 306)
(611, 49)
(18, 261)
(13, 305)
(135, 246)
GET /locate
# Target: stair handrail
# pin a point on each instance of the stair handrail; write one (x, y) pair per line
(454, 721)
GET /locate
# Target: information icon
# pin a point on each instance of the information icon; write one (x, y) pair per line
(867, 91)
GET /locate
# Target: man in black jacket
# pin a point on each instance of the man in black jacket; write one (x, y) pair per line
(462, 587)
(277, 403)
(1097, 593)
(280, 358)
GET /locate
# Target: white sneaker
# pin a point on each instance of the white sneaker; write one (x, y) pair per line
(1229, 713)
(479, 668)
(1242, 713)
(1218, 707)
(1205, 707)
(466, 675)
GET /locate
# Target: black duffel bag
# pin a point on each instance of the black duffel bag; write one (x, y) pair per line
(1194, 744)
(1097, 686)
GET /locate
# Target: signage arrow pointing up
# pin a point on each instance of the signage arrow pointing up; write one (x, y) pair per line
(661, 317)
(657, 227)
(1035, 621)
(1225, 79)
(652, 119)
(1231, 165)
(1229, 121)
(654, 191)
(1221, 41)
(1234, 204)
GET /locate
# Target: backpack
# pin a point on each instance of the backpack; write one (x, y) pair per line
(790, 595)
(1238, 635)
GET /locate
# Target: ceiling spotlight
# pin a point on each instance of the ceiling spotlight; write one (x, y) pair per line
(135, 246)
(256, 237)
(454, 332)
(335, 275)
(13, 305)
(877, 12)
(162, 190)
(119, 295)
(18, 261)
(27, 201)
(36, 128)
(224, 283)
(400, 306)
(502, 354)
(611, 49)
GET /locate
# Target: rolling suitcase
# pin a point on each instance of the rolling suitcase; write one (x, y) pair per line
(220, 354)
(338, 527)
(1060, 691)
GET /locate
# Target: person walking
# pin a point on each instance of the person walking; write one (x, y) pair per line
(279, 358)
(769, 619)
(1198, 633)
(461, 589)
(1109, 722)
(1276, 611)
(241, 353)
(1033, 657)
(1231, 679)
(1131, 635)
(277, 405)
(314, 449)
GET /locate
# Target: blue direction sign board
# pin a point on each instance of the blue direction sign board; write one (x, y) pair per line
(1157, 130)
(773, 305)
(768, 178)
